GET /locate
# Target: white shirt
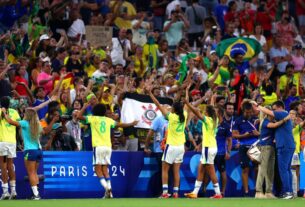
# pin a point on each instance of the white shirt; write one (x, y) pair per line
(172, 6)
(78, 27)
(117, 51)
(139, 35)
(262, 41)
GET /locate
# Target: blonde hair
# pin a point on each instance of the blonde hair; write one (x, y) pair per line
(32, 117)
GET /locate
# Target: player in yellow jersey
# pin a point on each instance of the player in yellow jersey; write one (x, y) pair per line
(298, 126)
(101, 142)
(8, 150)
(174, 150)
(209, 148)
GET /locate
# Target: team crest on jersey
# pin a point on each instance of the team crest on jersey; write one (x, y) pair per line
(150, 113)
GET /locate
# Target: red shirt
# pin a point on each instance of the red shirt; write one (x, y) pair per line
(300, 10)
(264, 19)
(20, 88)
(247, 20)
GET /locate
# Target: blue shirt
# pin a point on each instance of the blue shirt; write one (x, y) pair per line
(283, 134)
(29, 142)
(243, 125)
(275, 52)
(223, 133)
(43, 111)
(159, 126)
(289, 100)
(242, 68)
(266, 132)
(220, 11)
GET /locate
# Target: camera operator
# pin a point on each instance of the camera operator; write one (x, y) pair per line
(60, 140)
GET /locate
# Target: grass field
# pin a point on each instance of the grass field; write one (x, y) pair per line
(154, 202)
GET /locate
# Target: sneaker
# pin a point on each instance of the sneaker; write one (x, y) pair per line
(259, 195)
(36, 198)
(191, 195)
(110, 194)
(217, 196)
(107, 194)
(287, 196)
(175, 195)
(269, 195)
(246, 195)
(165, 195)
(5, 196)
(13, 196)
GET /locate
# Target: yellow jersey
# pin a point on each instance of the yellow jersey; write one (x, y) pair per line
(125, 7)
(297, 138)
(209, 132)
(101, 130)
(295, 80)
(7, 131)
(175, 131)
(269, 100)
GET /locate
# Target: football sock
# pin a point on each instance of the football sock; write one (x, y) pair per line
(108, 183)
(13, 186)
(35, 190)
(104, 183)
(5, 188)
(165, 188)
(216, 188)
(197, 186)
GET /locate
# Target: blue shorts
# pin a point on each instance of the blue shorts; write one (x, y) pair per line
(32, 155)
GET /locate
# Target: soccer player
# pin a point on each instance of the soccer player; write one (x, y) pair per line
(209, 148)
(31, 131)
(174, 150)
(101, 142)
(8, 150)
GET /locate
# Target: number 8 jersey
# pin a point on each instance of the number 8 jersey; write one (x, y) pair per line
(101, 130)
(175, 133)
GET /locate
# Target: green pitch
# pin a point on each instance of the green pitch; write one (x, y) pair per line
(150, 202)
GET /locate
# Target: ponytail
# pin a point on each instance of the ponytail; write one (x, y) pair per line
(178, 108)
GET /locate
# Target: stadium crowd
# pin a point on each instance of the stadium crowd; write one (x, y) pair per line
(47, 63)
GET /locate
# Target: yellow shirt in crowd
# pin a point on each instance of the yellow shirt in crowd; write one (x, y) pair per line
(297, 138)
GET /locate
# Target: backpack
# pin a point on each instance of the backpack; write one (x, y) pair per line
(198, 20)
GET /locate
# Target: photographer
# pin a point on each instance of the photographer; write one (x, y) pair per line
(60, 140)
(174, 27)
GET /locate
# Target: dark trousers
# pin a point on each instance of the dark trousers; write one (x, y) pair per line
(284, 156)
(192, 37)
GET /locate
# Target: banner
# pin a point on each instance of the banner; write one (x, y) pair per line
(141, 108)
(99, 35)
(133, 174)
(67, 81)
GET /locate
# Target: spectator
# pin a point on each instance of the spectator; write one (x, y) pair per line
(174, 27)
(158, 7)
(124, 12)
(45, 79)
(279, 55)
(74, 129)
(220, 11)
(195, 14)
(140, 27)
(120, 46)
(77, 30)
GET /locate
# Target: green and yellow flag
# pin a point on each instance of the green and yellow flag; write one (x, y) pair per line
(246, 46)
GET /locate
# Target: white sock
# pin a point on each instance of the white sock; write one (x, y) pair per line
(175, 189)
(35, 190)
(108, 183)
(165, 188)
(104, 183)
(13, 186)
(197, 186)
(5, 188)
(216, 188)
(294, 181)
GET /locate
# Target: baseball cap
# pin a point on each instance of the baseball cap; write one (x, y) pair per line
(44, 37)
(195, 92)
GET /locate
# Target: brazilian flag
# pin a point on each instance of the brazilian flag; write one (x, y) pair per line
(245, 46)
(183, 67)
